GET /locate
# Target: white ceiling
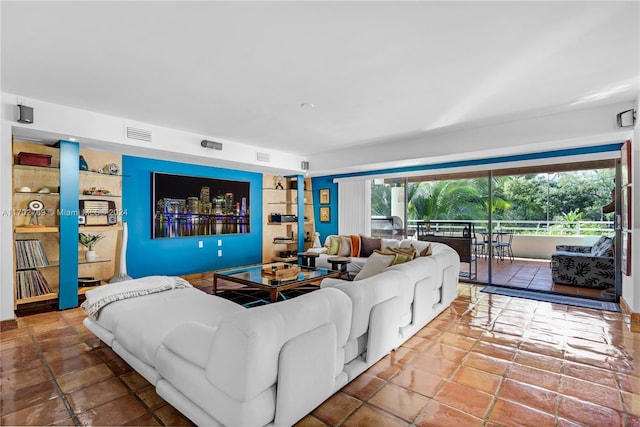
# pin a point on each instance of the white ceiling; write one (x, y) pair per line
(376, 72)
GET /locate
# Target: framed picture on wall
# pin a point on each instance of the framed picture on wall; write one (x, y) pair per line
(325, 196)
(325, 214)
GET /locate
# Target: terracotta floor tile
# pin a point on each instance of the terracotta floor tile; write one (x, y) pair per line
(171, 417)
(45, 413)
(477, 379)
(62, 366)
(114, 412)
(16, 380)
(631, 403)
(505, 334)
(27, 396)
(587, 357)
(104, 352)
(385, 368)
(434, 365)
(629, 383)
(55, 334)
(588, 413)
(399, 402)
(368, 415)
(539, 361)
(151, 398)
(67, 352)
(467, 331)
(19, 358)
(529, 395)
(83, 378)
(118, 366)
(336, 408)
(96, 394)
(448, 352)
(466, 399)
(310, 421)
(507, 413)
(419, 381)
(437, 415)
(53, 344)
(594, 393)
(589, 373)
(417, 343)
(494, 350)
(135, 381)
(533, 376)
(363, 386)
(486, 363)
(453, 340)
(403, 355)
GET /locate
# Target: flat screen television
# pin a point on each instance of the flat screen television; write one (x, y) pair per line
(188, 206)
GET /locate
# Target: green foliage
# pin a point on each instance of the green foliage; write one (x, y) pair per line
(569, 196)
(380, 200)
(89, 240)
(442, 200)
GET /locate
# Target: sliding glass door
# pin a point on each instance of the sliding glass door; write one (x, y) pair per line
(517, 219)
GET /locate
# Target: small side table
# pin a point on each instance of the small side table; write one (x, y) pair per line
(340, 263)
(308, 259)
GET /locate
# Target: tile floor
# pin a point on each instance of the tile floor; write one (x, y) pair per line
(487, 360)
(527, 273)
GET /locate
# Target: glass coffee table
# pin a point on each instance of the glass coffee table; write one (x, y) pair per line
(253, 277)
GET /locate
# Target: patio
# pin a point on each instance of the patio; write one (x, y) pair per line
(525, 273)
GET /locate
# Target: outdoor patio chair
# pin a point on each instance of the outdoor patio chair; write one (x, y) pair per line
(502, 247)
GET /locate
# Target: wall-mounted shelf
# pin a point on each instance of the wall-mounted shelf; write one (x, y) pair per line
(33, 230)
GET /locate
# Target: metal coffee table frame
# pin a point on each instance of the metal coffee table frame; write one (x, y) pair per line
(251, 276)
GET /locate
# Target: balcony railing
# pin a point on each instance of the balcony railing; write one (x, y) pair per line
(541, 228)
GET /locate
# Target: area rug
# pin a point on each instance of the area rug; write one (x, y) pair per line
(554, 298)
(254, 297)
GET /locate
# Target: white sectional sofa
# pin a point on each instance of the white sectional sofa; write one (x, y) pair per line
(428, 285)
(222, 364)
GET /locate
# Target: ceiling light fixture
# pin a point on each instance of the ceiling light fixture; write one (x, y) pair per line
(307, 105)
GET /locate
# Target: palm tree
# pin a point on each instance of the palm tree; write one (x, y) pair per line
(441, 200)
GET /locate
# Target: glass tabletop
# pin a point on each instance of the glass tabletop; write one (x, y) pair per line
(254, 274)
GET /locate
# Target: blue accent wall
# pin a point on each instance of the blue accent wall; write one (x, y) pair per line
(331, 227)
(180, 256)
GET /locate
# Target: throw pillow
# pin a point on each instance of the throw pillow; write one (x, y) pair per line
(376, 263)
(411, 252)
(603, 247)
(345, 246)
(334, 245)
(401, 255)
(368, 245)
(425, 252)
(401, 258)
(355, 245)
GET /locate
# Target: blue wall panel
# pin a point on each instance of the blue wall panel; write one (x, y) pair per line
(69, 178)
(179, 256)
(331, 227)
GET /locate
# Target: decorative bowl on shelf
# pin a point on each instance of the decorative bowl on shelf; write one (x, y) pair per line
(96, 191)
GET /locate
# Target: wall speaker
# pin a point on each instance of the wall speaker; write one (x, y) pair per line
(25, 114)
(626, 119)
(211, 144)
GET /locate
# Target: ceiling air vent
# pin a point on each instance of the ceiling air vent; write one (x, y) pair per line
(139, 134)
(263, 157)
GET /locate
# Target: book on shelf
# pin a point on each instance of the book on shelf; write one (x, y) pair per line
(30, 254)
(31, 283)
